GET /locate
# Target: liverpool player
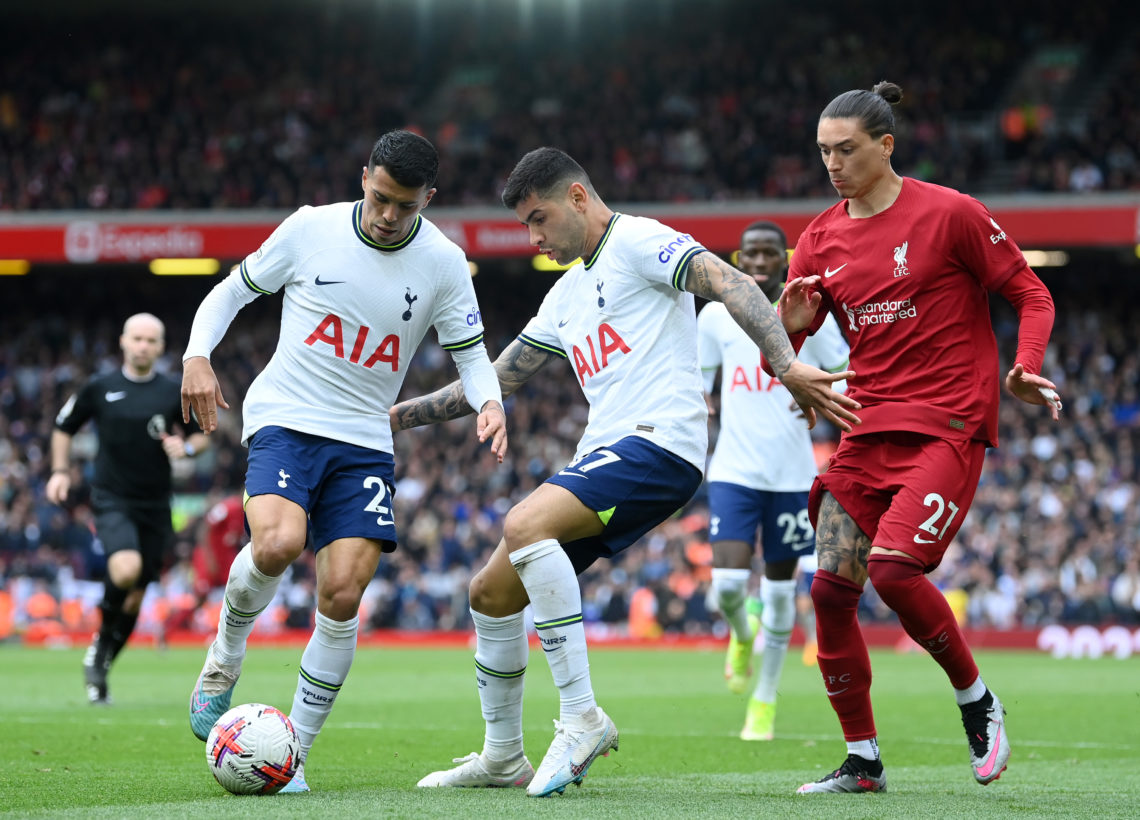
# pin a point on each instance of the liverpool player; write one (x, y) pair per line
(906, 267)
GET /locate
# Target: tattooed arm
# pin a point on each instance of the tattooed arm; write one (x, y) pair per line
(711, 277)
(514, 366)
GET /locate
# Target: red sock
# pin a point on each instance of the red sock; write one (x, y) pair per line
(843, 657)
(925, 615)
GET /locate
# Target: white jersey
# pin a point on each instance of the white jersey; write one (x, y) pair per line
(353, 315)
(628, 328)
(763, 442)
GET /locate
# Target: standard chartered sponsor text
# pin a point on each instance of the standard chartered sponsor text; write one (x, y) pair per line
(877, 313)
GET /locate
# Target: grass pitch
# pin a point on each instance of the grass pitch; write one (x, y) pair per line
(1074, 725)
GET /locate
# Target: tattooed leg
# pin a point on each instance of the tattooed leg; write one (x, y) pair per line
(840, 545)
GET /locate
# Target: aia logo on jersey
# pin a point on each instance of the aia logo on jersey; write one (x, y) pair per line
(761, 384)
(330, 331)
(608, 342)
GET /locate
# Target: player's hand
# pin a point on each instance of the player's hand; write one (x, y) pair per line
(1033, 389)
(492, 423)
(174, 446)
(201, 393)
(58, 486)
(799, 302)
(811, 388)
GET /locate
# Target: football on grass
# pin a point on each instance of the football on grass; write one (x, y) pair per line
(253, 749)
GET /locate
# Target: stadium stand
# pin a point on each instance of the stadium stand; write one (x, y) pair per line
(225, 112)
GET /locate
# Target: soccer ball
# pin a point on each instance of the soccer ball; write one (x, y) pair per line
(253, 749)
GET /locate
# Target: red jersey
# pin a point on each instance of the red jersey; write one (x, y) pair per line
(225, 528)
(910, 290)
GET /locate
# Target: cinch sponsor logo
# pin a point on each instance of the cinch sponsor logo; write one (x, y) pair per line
(665, 252)
(91, 242)
(879, 313)
(474, 317)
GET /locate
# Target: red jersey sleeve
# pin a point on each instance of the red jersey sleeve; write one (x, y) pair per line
(982, 246)
(1034, 306)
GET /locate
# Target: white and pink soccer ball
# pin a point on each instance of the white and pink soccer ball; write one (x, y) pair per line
(253, 749)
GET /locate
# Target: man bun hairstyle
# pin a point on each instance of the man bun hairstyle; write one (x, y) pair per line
(408, 158)
(546, 172)
(872, 109)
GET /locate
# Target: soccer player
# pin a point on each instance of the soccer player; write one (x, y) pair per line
(625, 320)
(907, 268)
(363, 281)
(137, 413)
(759, 477)
(223, 534)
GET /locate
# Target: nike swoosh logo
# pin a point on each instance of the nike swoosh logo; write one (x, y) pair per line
(563, 322)
(199, 706)
(121, 394)
(313, 702)
(987, 768)
(385, 522)
(837, 691)
(918, 539)
(329, 281)
(828, 272)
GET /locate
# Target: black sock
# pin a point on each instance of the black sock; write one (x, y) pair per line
(120, 633)
(981, 704)
(112, 610)
(871, 767)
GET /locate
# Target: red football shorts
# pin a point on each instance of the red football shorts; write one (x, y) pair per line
(906, 491)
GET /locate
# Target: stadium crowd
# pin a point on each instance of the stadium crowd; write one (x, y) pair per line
(1053, 536)
(225, 112)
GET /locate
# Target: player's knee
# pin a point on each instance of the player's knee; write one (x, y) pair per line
(339, 603)
(831, 592)
(895, 581)
(491, 597)
(125, 568)
(516, 528)
(275, 549)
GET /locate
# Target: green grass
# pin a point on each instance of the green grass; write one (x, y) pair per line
(1075, 726)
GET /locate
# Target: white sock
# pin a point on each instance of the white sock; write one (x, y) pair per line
(556, 600)
(975, 692)
(731, 586)
(501, 653)
(777, 620)
(248, 592)
(324, 666)
(866, 749)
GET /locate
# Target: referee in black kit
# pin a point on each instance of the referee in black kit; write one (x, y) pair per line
(135, 411)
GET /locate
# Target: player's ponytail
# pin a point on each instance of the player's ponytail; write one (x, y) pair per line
(871, 108)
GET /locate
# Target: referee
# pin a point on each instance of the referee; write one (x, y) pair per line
(135, 411)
